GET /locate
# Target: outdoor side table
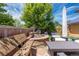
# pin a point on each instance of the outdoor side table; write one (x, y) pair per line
(62, 46)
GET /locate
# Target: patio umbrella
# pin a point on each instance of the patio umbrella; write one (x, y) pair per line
(64, 22)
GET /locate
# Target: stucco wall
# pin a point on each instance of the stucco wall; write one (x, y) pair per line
(74, 28)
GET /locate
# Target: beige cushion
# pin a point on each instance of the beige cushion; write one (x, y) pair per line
(6, 47)
(20, 38)
(12, 41)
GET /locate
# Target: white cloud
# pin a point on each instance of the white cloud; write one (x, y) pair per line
(14, 9)
(71, 17)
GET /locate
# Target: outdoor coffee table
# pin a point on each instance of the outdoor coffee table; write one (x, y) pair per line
(62, 46)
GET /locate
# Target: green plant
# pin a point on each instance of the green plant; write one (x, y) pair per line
(5, 19)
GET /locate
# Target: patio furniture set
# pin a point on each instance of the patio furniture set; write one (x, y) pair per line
(21, 45)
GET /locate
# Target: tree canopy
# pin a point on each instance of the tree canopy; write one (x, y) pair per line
(39, 15)
(5, 18)
(2, 10)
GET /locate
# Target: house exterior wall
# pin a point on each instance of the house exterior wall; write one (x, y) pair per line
(74, 28)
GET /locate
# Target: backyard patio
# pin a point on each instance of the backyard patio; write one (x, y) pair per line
(39, 35)
(36, 44)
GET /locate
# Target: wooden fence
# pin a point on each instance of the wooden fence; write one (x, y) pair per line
(6, 31)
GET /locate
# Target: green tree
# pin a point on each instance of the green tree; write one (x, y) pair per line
(2, 10)
(5, 19)
(39, 15)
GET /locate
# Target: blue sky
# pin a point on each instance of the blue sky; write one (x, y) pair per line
(15, 9)
(71, 11)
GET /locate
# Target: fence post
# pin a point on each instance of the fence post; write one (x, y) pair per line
(5, 33)
(20, 30)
